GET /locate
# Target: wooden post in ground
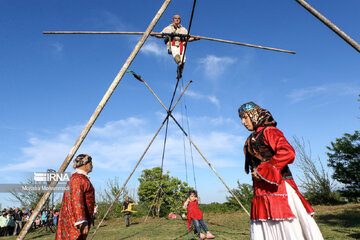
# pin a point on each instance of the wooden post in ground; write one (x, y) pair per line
(94, 117)
(330, 25)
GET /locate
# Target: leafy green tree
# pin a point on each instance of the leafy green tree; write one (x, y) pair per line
(318, 185)
(344, 158)
(112, 187)
(244, 192)
(29, 198)
(166, 192)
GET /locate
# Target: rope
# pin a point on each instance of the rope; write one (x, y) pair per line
(182, 61)
(182, 123)
(192, 159)
(190, 146)
(172, 99)
(187, 180)
(176, 86)
(191, 152)
(188, 35)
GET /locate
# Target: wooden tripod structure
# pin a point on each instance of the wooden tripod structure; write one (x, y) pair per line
(169, 114)
(117, 80)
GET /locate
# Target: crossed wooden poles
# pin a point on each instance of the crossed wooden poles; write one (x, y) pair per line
(169, 114)
(117, 80)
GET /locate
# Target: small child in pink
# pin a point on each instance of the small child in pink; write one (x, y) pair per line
(195, 215)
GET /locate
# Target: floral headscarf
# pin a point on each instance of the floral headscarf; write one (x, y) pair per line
(259, 117)
(81, 160)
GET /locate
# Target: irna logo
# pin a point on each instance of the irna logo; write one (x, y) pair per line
(51, 175)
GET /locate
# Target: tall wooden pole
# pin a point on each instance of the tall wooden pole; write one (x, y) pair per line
(94, 117)
(330, 25)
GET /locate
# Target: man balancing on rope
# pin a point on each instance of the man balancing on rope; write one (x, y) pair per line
(175, 40)
(77, 207)
(278, 210)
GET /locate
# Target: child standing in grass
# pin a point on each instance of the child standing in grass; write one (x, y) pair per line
(195, 215)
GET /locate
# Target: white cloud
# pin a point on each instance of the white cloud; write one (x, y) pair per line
(213, 99)
(305, 93)
(113, 21)
(215, 66)
(221, 121)
(202, 123)
(338, 89)
(118, 145)
(57, 47)
(151, 47)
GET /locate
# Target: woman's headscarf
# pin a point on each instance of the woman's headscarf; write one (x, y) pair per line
(81, 160)
(259, 117)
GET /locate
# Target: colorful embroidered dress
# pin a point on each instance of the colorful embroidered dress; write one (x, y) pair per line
(271, 153)
(278, 209)
(77, 207)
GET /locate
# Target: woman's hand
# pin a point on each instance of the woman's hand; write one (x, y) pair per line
(84, 229)
(255, 175)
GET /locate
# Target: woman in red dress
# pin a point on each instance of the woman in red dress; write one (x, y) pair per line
(78, 203)
(278, 210)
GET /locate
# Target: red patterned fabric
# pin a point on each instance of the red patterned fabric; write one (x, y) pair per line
(193, 212)
(270, 199)
(181, 46)
(77, 205)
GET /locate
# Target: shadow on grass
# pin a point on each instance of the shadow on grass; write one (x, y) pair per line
(348, 218)
(216, 232)
(40, 235)
(345, 232)
(355, 235)
(224, 226)
(183, 235)
(133, 235)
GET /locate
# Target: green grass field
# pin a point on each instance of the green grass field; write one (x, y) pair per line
(335, 222)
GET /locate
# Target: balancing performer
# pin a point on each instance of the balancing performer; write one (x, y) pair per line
(278, 210)
(78, 202)
(175, 44)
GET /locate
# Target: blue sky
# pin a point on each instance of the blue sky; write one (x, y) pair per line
(51, 84)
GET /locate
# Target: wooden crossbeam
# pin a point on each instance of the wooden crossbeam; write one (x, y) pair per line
(165, 34)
